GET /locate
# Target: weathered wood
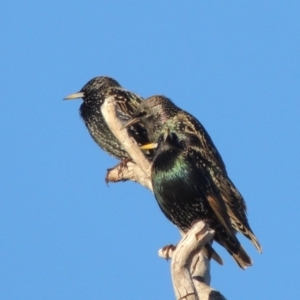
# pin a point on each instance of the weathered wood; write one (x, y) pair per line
(109, 113)
(140, 169)
(130, 171)
(199, 267)
(190, 268)
(187, 284)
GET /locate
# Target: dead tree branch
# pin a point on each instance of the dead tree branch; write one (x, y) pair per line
(139, 171)
(187, 284)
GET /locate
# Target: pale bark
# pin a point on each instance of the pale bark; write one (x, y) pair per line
(186, 280)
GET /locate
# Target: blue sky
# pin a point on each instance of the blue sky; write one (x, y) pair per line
(235, 65)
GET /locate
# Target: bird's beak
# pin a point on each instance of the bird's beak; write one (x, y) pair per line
(74, 96)
(131, 122)
(149, 146)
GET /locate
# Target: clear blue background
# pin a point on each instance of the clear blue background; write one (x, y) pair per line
(234, 64)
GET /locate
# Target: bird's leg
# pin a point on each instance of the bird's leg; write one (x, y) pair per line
(167, 251)
(123, 163)
(120, 166)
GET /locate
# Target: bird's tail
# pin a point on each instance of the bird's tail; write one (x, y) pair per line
(236, 208)
(247, 232)
(233, 246)
(211, 253)
(242, 258)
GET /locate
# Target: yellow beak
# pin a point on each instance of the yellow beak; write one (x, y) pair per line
(149, 146)
(74, 96)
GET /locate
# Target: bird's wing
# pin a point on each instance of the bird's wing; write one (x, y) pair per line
(127, 102)
(237, 213)
(235, 203)
(221, 212)
(194, 127)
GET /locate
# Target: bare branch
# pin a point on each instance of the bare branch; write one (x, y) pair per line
(139, 171)
(109, 113)
(130, 171)
(186, 285)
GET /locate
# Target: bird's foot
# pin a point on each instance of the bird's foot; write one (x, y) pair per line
(119, 167)
(167, 251)
(123, 163)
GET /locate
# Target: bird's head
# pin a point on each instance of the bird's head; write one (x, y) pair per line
(93, 87)
(167, 139)
(151, 112)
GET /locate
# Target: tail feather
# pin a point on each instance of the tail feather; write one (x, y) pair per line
(242, 258)
(211, 253)
(254, 241)
(237, 210)
(247, 232)
(233, 246)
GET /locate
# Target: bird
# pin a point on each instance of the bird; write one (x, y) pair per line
(158, 114)
(94, 93)
(186, 193)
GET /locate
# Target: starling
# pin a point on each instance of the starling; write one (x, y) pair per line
(159, 114)
(186, 194)
(93, 94)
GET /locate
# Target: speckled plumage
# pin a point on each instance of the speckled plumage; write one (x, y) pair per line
(159, 114)
(186, 194)
(93, 94)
